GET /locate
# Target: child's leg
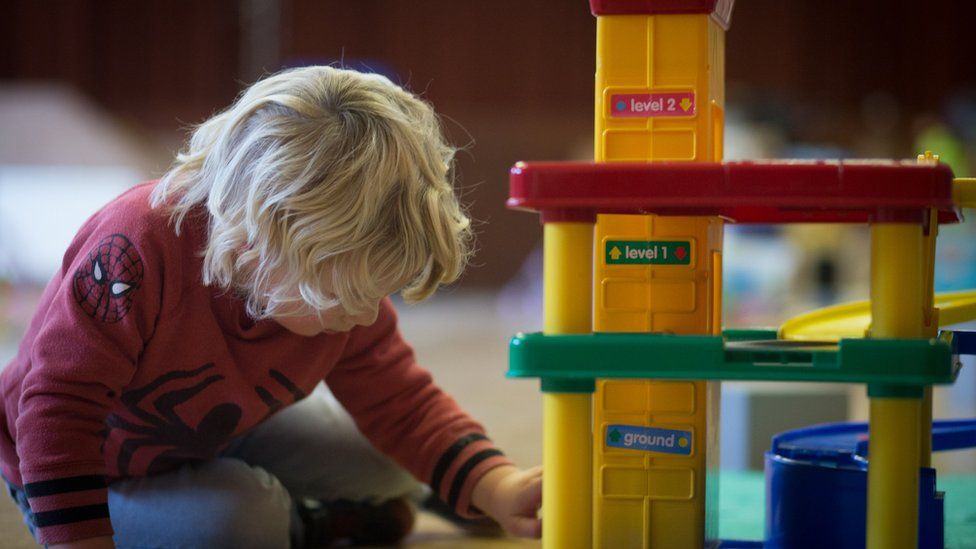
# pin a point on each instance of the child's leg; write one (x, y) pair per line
(20, 498)
(316, 451)
(245, 498)
(220, 503)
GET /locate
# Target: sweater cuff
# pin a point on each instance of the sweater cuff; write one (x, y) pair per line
(69, 508)
(460, 468)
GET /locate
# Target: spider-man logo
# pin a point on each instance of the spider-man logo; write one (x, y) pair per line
(105, 283)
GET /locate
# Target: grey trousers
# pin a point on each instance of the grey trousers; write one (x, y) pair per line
(246, 496)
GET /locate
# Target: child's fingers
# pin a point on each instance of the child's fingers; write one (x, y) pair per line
(531, 496)
(525, 527)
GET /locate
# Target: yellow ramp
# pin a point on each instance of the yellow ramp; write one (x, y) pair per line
(852, 320)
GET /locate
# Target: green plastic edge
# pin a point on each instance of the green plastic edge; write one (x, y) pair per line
(885, 390)
(568, 385)
(750, 334)
(892, 367)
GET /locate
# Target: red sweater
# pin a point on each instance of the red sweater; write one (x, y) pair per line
(131, 366)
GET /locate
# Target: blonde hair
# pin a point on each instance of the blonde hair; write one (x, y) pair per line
(320, 177)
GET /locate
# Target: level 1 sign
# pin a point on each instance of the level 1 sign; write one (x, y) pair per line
(648, 252)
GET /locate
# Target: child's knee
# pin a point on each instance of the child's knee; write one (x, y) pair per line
(220, 503)
(255, 513)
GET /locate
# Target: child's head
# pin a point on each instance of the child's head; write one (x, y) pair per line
(322, 185)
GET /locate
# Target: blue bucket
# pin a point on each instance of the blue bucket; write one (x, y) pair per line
(816, 486)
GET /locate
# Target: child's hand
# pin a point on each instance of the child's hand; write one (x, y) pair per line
(512, 497)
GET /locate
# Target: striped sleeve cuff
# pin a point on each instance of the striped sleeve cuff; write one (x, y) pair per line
(460, 467)
(69, 508)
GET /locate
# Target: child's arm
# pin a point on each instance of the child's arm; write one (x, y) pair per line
(82, 348)
(403, 413)
(512, 497)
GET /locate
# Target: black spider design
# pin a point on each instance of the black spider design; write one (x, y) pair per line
(183, 442)
(273, 403)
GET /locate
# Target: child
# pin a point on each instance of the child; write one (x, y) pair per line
(149, 395)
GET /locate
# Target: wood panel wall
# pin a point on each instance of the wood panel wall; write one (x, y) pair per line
(513, 78)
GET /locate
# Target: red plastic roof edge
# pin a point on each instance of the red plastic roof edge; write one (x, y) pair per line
(721, 10)
(744, 192)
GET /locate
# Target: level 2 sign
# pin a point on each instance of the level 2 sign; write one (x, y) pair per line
(647, 252)
(651, 105)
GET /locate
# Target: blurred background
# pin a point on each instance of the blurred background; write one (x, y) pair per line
(96, 95)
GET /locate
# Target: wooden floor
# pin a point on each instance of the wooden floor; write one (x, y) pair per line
(463, 341)
(435, 532)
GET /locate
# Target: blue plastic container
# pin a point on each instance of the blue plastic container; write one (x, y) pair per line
(816, 486)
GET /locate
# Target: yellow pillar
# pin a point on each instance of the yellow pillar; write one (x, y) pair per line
(931, 320)
(567, 277)
(931, 314)
(567, 438)
(893, 473)
(659, 96)
(925, 430)
(897, 311)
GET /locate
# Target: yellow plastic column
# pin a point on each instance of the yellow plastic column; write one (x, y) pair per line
(652, 498)
(897, 290)
(659, 96)
(893, 473)
(925, 430)
(930, 313)
(566, 515)
(567, 439)
(568, 276)
(931, 320)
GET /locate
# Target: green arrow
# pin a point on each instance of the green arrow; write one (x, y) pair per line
(685, 104)
(615, 253)
(614, 436)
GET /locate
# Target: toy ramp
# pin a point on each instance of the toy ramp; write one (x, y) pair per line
(852, 320)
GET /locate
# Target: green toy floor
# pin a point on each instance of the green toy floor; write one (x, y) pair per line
(742, 506)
